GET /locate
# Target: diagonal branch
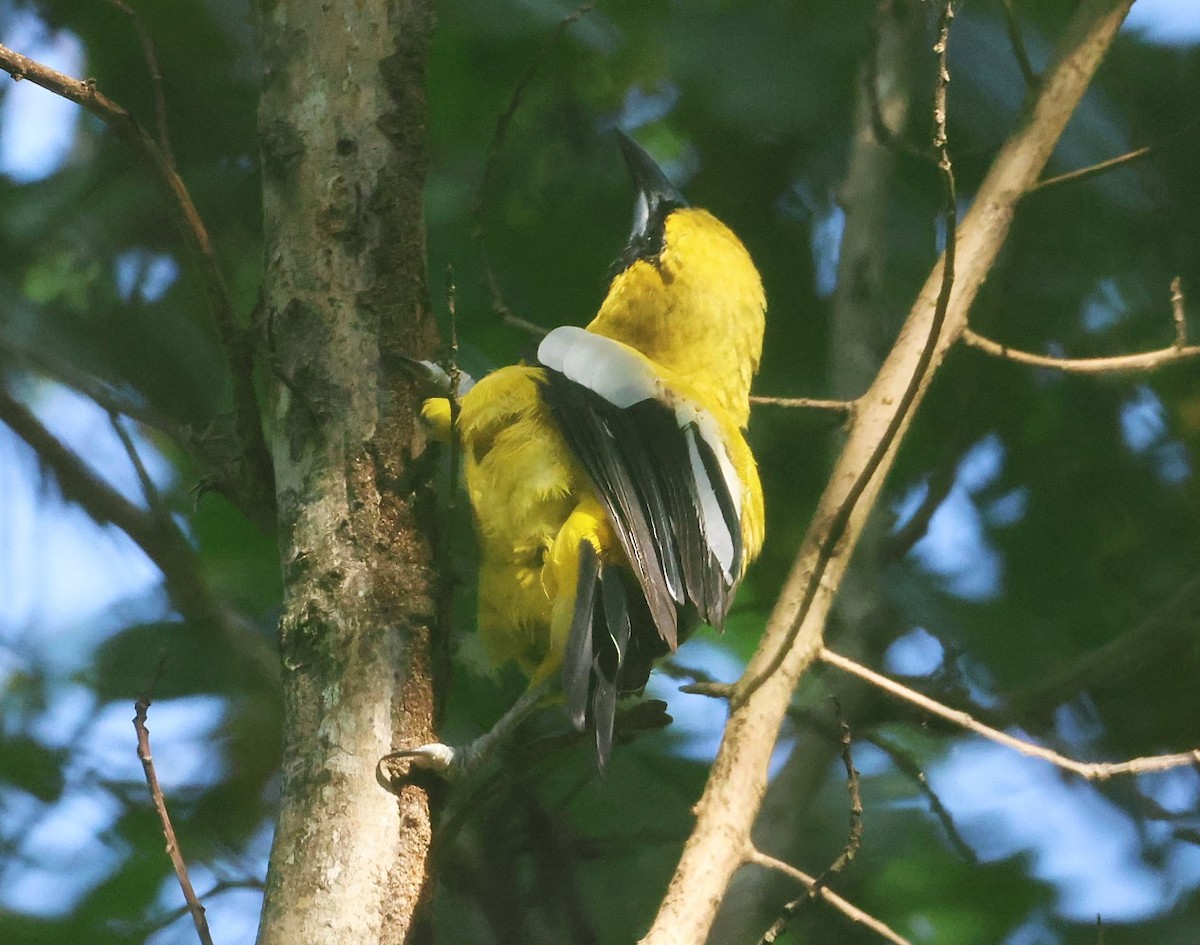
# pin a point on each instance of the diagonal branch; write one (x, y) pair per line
(156, 535)
(848, 909)
(730, 802)
(141, 710)
(255, 493)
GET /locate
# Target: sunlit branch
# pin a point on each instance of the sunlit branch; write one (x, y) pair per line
(1091, 771)
(838, 523)
(257, 491)
(1115, 364)
(843, 407)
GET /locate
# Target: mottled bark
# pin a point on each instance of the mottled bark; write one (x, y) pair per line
(343, 127)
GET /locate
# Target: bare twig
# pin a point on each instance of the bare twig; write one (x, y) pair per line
(499, 306)
(257, 492)
(1017, 41)
(141, 708)
(851, 911)
(843, 407)
(853, 841)
(160, 103)
(1090, 771)
(1092, 170)
(1115, 364)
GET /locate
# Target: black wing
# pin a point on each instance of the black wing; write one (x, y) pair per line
(663, 488)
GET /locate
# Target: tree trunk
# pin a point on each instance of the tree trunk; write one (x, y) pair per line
(342, 121)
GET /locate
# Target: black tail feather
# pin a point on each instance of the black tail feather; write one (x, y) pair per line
(577, 662)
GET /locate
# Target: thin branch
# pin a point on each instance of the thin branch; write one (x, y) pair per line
(1017, 40)
(851, 911)
(141, 708)
(149, 489)
(1092, 170)
(499, 306)
(160, 103)
(853, 841)
(105, 394)
(257, 490)
(220, 886)
(1143, 361)
(908, 766)
(1090, 771)
(838, 524)
(842, 407)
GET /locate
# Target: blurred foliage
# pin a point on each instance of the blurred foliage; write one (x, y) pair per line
(1079, 493)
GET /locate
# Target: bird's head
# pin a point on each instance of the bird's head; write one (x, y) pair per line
(656, 198)
(684, 291)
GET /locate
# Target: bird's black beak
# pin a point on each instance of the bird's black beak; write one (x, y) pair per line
(656, 195)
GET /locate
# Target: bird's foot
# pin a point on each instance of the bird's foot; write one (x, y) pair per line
(448, 762)
(453, 764)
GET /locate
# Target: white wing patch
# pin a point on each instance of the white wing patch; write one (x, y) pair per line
(614, 371)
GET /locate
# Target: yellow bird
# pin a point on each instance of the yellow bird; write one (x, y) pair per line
(616, 501)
